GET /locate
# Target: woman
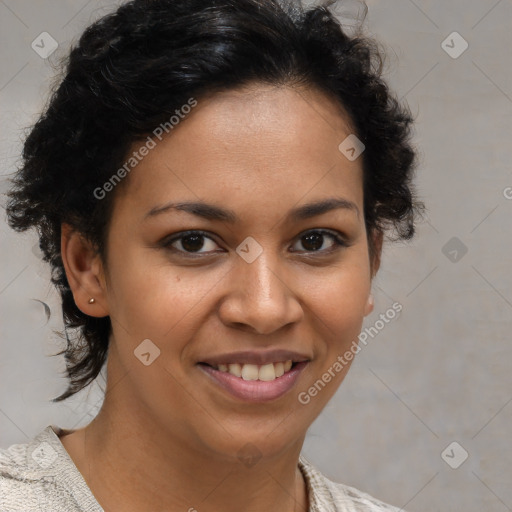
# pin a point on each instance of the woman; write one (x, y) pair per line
(211, 183)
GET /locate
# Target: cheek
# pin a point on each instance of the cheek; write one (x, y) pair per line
(342, 293)
(338, 302)
(154, 298)
(157, 300)
(343, 296)
(341, 312)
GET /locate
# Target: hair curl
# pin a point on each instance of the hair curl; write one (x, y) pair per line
(128, 73)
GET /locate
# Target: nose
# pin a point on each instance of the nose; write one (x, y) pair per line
(261, 296)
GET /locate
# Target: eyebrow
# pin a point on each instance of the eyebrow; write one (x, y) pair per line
(212, 212)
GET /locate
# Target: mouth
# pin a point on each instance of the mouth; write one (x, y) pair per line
(253, 382)
(247, 371)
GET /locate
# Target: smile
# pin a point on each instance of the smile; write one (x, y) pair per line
(248, 371)
(255, 383)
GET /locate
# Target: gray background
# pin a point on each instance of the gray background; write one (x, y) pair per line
(440, 371)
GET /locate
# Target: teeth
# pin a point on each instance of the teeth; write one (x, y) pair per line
(235, 369)
(249, 372)
(267, 372)
(264, 372)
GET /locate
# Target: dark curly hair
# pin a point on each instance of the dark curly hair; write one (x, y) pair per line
(133, 68)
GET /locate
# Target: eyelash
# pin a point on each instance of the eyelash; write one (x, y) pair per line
(339, 242)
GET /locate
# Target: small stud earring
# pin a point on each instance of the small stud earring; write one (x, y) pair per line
(370, 299)
(92, 300)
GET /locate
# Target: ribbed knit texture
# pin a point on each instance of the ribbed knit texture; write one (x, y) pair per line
(40, 476)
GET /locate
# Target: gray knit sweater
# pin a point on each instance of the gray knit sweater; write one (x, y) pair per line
(40, 476)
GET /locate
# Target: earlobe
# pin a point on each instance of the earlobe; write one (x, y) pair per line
(84, 272)
(374, 267)
(369, 305)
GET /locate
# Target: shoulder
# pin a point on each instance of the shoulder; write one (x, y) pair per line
(34, 476)
(328, 496)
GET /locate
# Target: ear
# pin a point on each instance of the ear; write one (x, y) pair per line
(374, 266)
(377, 254)
(84, 271)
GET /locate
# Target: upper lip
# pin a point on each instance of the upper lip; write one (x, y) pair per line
(256, 357)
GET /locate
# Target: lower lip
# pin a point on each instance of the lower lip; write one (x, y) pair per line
(255, 390)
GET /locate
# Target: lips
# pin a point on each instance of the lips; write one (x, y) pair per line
(255, 376)
(253, 390)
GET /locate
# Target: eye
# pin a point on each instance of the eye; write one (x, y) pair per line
(314, 241)
(190, 242)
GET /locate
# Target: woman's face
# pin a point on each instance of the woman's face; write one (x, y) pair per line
(245, 288)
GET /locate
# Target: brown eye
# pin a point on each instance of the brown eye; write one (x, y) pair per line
(313, 241)
(191, 242)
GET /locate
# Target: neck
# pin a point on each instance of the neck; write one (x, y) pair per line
(131, 464)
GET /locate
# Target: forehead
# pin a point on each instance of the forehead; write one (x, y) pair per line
(260, 145)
